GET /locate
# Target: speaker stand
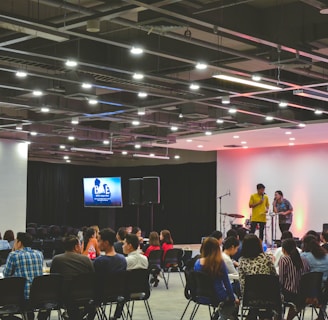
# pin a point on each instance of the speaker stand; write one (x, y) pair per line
(138, 210)
(151, 217)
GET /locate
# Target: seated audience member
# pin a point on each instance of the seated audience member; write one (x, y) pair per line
(109, 263)
(137, 232)
(254, 261)
(90, 244)
(278, 253)
(323, 238)
(25, 262)
(211, 262)
(314, 234)
(166, 241)
(232, 233)
(241, 235)
(218, 236)
(69, 264)
(10, 237)
(4, 244)
(95, 228)
(134, 259)
(120, 236)
(291, 267)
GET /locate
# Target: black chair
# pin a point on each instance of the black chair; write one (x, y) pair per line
(80, 295)
(187, 289)
(48, 248)
(37, 245)
(12, 296)
(42, 233)
(4, 255)
(31, 231)
(137, 289)
(311, 293)
(172, 261)
(155, 263)
(262, 296)
(59, 246)
(46, 294)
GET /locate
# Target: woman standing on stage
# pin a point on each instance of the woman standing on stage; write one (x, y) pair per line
(284, 209)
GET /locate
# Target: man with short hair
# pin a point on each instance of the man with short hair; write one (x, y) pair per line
(120, 236)
(134, 259)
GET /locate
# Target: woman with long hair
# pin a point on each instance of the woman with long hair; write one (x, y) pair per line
(291, 267)
(166, 241)
(153, 243)
(211, 262)
(90, 244)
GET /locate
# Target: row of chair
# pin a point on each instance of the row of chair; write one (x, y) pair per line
(50, 292)
(261, 294)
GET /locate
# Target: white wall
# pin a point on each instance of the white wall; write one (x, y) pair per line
(300, 172)
(13, 178)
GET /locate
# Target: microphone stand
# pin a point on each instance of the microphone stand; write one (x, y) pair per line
(220, 206)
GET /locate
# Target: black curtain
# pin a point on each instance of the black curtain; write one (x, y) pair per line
(187, 208)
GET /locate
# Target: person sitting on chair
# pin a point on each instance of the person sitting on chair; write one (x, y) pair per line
(134, 259)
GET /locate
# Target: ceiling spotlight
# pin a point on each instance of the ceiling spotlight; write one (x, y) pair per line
(93, 101)
(302, 125)
(256, 77)
(68, 161)
(180, 115)
(243, 142)
(292, 139)
(71, 138)
(174, 128)
(106, 142)
(236, 137)
(200, 146)
(219, 121)
(86, 85)
(232, 110)
(71, 63)
(75, 120)
(136, 50)
(33, 133)
(194, 86)
(177, 157)
(318, 111)
(142, 94)
(135, 122)
(208, 133)
(141, 111)
(137, 146)
(124, 153)
(283, 104)
(291, 143)
(62, 147)
(93, 25)
(269, 118)
(189, 140)
(66, 157)
(201, 66)
(21, 74)
(19, 127)
(45, 109)
(138, 76)
(225, 100)
(37, 93)
(288, 132)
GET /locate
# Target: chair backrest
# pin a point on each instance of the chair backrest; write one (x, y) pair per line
(137, 284)
(155, 258)
(262, 291)
(12, 291)
(113, 287)
(48, 248)
(173, 256)
(4, 255)
(46, 289)
(311, 287)
(202, 289)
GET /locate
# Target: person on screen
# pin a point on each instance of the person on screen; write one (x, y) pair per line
(95, 189)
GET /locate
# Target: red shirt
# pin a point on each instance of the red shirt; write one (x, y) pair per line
(151, 248)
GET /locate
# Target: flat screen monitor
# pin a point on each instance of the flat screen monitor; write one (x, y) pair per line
(103, 192)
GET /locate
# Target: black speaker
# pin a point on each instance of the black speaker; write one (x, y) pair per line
(325, 227)
(151, 190)
(135, 191)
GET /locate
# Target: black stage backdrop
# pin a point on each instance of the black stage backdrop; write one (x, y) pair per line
(187, 208)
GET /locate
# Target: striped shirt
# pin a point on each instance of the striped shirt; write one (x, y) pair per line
(26, 263)
(289, 276)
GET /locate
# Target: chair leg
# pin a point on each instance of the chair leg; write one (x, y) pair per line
(166, 280)
(194, 311)
(185, 309)
(147, 306)
(181, 278)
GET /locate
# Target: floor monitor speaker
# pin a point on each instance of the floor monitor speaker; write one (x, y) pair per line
(135, 191)
(151, 190)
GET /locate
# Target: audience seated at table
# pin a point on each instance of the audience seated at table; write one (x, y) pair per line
(120, 236)
(134, 259)
(90, 246)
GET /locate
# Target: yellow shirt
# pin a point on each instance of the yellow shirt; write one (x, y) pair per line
(259, 212)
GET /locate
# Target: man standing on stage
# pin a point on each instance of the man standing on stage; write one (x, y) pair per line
(259, 202)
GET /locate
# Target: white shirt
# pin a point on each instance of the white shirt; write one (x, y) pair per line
(229, 263)
(135, 260)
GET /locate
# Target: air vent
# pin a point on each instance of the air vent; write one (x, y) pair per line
(232, 146)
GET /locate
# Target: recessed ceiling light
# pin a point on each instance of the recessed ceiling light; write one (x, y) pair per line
(288, 132)
(269, 118)
(136, 50)
(71, 138)
(201, 66)
(189, 140)
(75, 120)
(138, 76)
(225, 100)
(86, 85)
(135, 122)
(33, 133)
(200, 146)
(66, 157)
(176, 156)
(141, 111)
(243, 142)
(256, 77)
(232, 110)
(71, 63)
(283, 104)
(180, 115)
(219, 121)
(93, 101)
(194, 86)
(292, 139)
(174, 128)
(302, 125)
(317, 111)
(245, 147)
(152, 154)
(142, 94)
(208, 133)
(28, 142)
(68, 161)
(106, 142)
(137, 146)
(45, 109)
(291, 143)
(21, 74)
(19, 127)
(37, 93)
(236, 137)
(62, 146)
(124, 153)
